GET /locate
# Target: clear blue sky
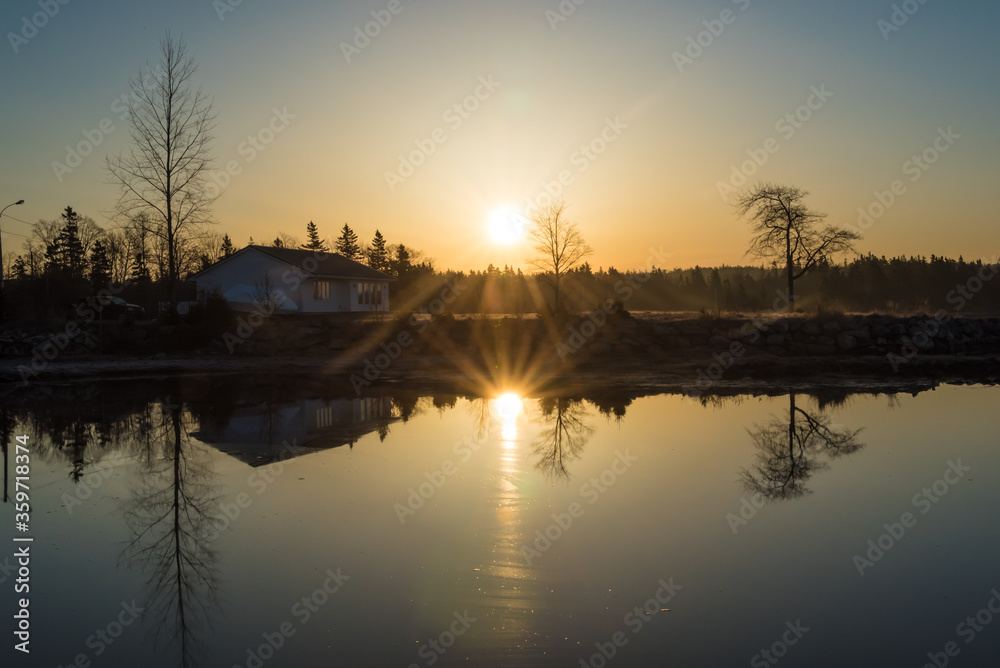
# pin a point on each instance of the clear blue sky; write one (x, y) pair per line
(679, 130)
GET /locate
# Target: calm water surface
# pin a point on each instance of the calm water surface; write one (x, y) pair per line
(255, 529)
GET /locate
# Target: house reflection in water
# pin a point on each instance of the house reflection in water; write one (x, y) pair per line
(266, 433)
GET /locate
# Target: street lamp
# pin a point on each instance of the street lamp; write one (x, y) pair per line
(2, 314)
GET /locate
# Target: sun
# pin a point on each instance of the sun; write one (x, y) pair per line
(506, 226)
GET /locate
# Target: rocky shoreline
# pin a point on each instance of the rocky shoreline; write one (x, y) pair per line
(653, 350)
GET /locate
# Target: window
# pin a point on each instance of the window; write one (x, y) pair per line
(378, 295)
(361, 293)
(321, 291)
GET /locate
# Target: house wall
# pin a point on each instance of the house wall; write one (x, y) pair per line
(249, 270)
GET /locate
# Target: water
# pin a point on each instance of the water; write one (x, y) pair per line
(258, 527)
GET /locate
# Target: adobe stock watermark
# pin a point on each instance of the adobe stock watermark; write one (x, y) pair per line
(959, 297)
(786, 127)
(392, 350)
(435, 480)
(562, 13)
(900, 16)
(968, 629)
(636, 620)
(625, 290)
(103, 638)
(92, 138)
(223, 7)
(364, 34)
(30, 26)
(455, 117)
(726, 359)
(794, 632)
(714, 28)
(259, 480)
(914, 168)
(85, 487)
(435, 648)
(591, 491)
(749, 507)
(44, 354)
(249, 149)
(582, 158)
(301, 611)
(924, 500)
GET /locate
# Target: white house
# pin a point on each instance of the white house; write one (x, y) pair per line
(294, 281)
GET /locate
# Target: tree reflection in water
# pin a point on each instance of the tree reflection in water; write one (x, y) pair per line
(789, 451)
(169, 514)
(563, 437)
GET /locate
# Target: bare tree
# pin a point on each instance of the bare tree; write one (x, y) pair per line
(786, 230)
(164, 172)
(564, 437)
(789, 450)
(559, 245)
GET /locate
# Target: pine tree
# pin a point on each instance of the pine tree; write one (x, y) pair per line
(347, 243)
(226, 248)
(140, 267)
(20, 269)
(313, 242)
(400, 265)
(378, 257)
(100, 266)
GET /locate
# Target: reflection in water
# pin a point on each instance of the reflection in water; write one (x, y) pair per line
(264, 433)
(563, 438)
(789, 449)
(6, 432)
(510, 589)
(169, 515)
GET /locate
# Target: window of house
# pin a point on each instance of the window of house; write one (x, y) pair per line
(361, 293)
(378, 295)
(321, 291)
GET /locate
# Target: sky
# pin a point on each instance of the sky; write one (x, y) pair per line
(644, 116)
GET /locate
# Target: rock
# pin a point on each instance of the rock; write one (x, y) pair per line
(775, 340)
(812, 328)
(831, 326)
(847, 342)
(719, 342)
(796, 348)
(818, 349)
(826, 341)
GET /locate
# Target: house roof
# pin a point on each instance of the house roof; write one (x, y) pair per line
(328, 265)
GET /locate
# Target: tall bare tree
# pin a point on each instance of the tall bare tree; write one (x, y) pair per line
(786, 230)
(164, 172)
(559, 244)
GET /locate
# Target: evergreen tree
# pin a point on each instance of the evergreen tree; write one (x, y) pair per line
(378, 256)
(100, 266)
(347, 243)
(72, 257)
(20, 269)
(227, 248)
(400, 264)
(313, 242)
(140, 267)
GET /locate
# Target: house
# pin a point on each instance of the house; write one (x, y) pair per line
(288, 280)
(267, 433)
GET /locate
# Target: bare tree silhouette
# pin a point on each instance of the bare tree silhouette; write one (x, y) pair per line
(169, 515)
(563, 439)
(790, 450)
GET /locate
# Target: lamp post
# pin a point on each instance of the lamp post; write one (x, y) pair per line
(3, 315)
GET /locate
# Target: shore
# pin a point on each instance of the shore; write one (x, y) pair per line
(594, 352)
